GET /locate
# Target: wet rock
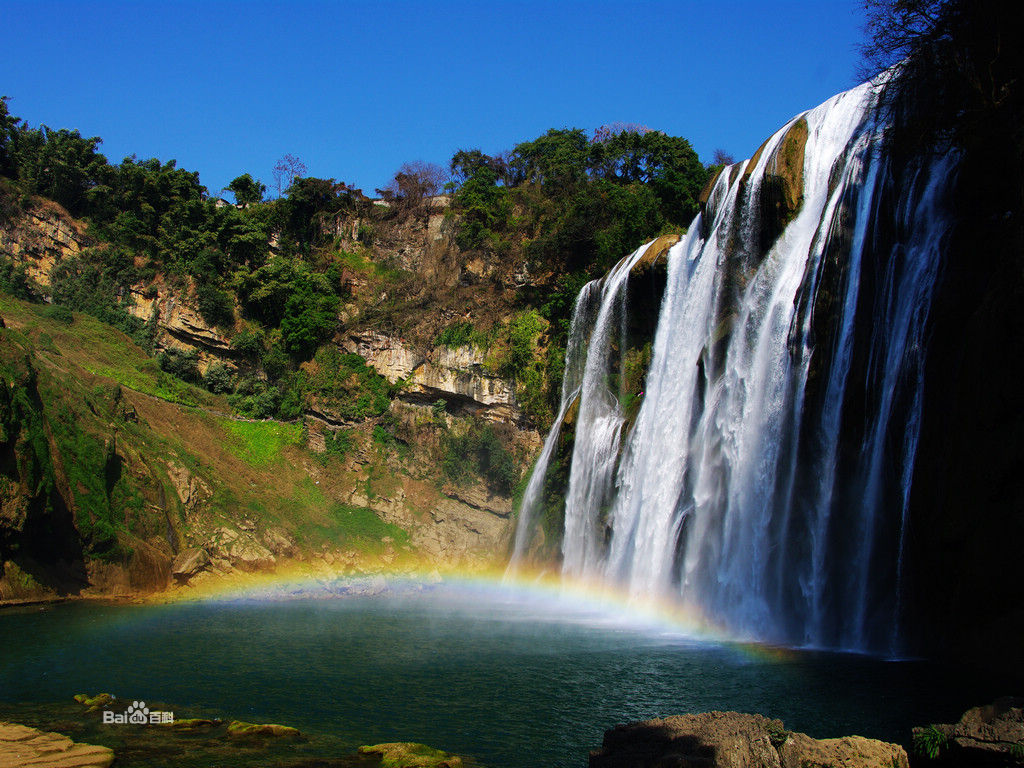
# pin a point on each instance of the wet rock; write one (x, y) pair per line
(24, 747)
(983, 736)
(405, 754)
(655, 257)
(735, 740)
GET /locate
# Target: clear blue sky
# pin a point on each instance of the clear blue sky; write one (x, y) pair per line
(355, 89)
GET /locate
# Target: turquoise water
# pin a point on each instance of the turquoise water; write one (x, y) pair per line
(508, 681)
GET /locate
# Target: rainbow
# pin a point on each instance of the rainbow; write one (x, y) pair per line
(552, 595)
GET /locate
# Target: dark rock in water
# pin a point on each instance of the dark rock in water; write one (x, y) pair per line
(989, 735)
(95, 703)
(22, 746)
(404, 754)
(735, 740)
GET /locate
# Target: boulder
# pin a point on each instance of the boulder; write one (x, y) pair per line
(983, 735)
(188, 563)
(801, 751)
(735, 740)
(24, 747)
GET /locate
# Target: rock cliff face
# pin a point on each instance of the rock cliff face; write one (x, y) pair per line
(41, 238)
(191, 519)
(457, 376)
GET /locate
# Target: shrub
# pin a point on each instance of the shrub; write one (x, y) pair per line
(217, 379)
(249, 342)
(480, 452)
(354, 389)
(461, 334)
(60, 313)
(181, 363)
(216, 306)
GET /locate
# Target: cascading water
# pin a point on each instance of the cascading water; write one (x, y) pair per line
(765, 478)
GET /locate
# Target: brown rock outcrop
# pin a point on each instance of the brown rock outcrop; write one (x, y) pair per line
(735, 740)
(982, 736)
(24, 747)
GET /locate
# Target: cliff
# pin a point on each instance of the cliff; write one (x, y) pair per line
(122, 477)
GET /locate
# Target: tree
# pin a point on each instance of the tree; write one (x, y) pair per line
(721, 157)
(247, 190)
(8, 124)
(413, 184)
(288, 169)
(956, 68)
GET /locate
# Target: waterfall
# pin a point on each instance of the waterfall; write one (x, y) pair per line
(765, 478)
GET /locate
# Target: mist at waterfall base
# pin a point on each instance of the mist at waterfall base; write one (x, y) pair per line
(764, 480)
(510, 677)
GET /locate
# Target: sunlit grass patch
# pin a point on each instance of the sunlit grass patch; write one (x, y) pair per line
(260, 442)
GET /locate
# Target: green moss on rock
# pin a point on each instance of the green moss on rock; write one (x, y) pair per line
(240, 729)
(405, 754)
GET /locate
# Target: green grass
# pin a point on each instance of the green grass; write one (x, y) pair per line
(100, 349)
(347, 525)
(260, 442)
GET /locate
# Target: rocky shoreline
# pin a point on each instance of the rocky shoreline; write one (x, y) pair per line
(61, 736)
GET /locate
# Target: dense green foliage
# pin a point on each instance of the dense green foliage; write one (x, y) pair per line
(272, 275)
(478, 451)
(581, 202)
(353, 389)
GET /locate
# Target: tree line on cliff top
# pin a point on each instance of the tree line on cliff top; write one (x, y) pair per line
(565, 202)
(563, 199)
(271, 271)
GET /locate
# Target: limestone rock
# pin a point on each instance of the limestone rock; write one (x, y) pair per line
(735, 740)
(247, 553)
(385, 354)
(712, 739)
(188, 563)
(41, 239)
(457, 377)
(24, 747)
(479, 496)
(801, 751)
(192, 491)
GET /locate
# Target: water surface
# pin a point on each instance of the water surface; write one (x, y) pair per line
(508, 680)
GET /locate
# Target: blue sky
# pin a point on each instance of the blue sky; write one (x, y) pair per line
(355, 89)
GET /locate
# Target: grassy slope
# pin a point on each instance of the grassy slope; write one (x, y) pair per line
(103, 396)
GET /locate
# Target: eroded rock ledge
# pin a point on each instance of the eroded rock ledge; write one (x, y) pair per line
(735, 740)
(21, 746)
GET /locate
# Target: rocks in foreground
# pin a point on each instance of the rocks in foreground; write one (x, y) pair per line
(989, 735)
(240, 729)
(405, 754)
(735, 740)
(23, 747)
